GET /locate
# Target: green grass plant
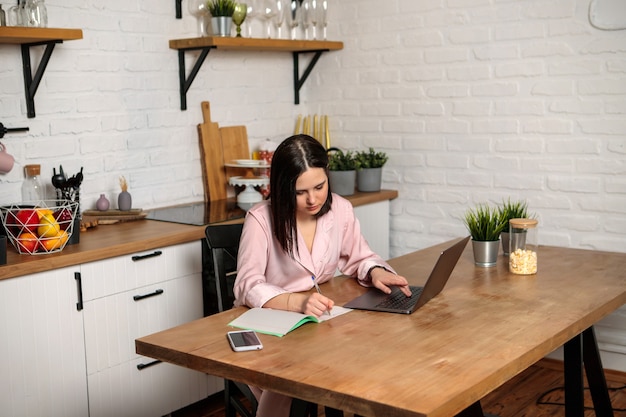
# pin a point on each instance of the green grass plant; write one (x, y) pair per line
(221, 7)
(514, 210)
(485, 223)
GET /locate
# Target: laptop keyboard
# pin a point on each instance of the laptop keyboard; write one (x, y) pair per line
(398, 300)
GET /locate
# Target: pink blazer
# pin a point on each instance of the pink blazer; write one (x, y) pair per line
(265, 271)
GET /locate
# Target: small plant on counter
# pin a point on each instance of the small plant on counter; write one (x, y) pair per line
(339, 160)
(371, 159)
(514, 210)
(485, 223)
(221, 7)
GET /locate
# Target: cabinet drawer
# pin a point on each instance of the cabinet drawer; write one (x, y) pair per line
(126, 391)
(123, 273)
(113, 323)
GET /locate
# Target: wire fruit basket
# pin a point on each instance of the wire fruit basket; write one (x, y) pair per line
(40, 227)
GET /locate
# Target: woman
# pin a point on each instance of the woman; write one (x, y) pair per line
(302, 234)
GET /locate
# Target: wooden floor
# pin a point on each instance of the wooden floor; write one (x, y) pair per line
(527, 395)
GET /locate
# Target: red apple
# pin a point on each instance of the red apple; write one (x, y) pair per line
(26, 220)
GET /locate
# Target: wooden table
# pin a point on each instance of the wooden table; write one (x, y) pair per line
(486, 327)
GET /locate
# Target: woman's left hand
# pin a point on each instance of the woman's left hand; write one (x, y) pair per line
(382, 279)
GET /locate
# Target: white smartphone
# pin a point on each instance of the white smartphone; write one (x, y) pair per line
(242, 340)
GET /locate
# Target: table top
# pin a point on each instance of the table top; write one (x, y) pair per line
(484, 328)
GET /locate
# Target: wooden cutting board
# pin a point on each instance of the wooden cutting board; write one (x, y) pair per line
(217, 147)
(114, 216)
(234, 146)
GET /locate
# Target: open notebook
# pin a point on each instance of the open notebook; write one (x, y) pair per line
(280, 322)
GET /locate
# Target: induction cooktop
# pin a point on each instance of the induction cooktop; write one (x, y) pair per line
(198, 213)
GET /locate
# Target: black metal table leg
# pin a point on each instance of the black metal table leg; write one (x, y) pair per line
(595, 375)
(583, 350)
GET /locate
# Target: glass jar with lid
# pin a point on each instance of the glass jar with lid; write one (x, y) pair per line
(524, 244)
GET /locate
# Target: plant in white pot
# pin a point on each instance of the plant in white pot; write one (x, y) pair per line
(221, 16)
(485, 224)
(342, 171)
(369, 174)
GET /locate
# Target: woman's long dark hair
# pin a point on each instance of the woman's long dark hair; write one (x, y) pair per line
(294, 156)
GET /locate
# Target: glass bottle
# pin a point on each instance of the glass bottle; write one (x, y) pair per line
(523, 235)
(3, 17)
(32, 191)
(17, 14)
(36, 13)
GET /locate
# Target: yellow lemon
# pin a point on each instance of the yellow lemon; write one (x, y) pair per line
(48, 226)
(42, 212)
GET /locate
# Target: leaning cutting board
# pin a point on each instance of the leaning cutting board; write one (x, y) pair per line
(220, 145)
(234, 146)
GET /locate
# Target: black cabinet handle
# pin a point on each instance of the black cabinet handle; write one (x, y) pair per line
(152, 294)
(136, 258)
(79, 290)
(143, 366)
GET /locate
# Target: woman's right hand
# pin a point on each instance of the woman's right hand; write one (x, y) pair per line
(316, 304)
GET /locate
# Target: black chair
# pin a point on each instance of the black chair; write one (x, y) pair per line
(223, 243)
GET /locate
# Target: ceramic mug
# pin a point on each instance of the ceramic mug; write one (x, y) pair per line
(6, 160)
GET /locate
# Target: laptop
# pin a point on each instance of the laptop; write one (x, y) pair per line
(398, 302)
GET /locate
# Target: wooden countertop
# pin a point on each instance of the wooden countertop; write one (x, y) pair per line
(107, 241)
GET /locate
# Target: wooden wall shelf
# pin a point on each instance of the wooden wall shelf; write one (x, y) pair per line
(205, 44)
(27, 38)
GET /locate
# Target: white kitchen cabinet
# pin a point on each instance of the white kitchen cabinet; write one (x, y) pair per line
(374, 220)
(42, 349)
(128, 297)
(61, 359)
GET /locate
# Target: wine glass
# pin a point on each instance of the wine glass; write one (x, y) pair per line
(305, 20)
(324, 17)
(239, 15)
(292, 17)
(251, 13)
(313, 15)
(199, 10)
(279, 18)
(267, 12)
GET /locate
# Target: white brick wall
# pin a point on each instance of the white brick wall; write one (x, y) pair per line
(474, 100)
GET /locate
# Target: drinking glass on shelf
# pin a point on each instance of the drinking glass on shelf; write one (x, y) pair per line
(292, 18)
(267, 12)
(251, 13)
(279, 18)
(199, 10)
(305, 20)
(324, 17)
(313, 15)
(239, 15)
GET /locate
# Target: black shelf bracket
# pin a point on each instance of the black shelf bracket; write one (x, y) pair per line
(179, 9)
(298, 81)
(31, 83)
(184, 81)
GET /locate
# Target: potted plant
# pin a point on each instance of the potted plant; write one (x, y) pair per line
(370, 169)
(511, 210)
(221, 16)
(342, 171)
(485, 223)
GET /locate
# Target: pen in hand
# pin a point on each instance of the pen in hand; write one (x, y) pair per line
(317, 287)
